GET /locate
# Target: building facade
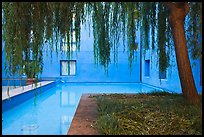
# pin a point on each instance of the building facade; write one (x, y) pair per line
(81, 67)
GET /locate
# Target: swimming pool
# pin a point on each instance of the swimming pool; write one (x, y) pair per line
(51, 112)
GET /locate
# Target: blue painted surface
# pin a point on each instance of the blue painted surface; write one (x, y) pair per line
(18, 99)
(3, 60)
(53, 110)
(87, 71)
(147, 67)
(60, 102)
(12, 82)
(172, 81)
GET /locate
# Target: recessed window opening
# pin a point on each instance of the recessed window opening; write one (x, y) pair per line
(162, 74)
(72, 44)
(68, 67)
(147, 68)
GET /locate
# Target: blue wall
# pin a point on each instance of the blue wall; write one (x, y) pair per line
(3, 60)
(87, 71)
(172, 81)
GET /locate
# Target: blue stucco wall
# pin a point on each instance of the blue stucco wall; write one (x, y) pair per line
(87, 71)
(2, 61)
(172, 81)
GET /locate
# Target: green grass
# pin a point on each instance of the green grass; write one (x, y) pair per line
(147, 114)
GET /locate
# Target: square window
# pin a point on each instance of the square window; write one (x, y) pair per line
(68, 67)
(162, 74)
(64, 68)
(72, 42)
(147, 67)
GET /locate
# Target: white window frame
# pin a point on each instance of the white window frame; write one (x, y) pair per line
(69, 71)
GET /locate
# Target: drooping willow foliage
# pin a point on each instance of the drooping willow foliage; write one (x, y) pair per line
(162, 38)
(194, 30)
(101, 33)
(27, 26)
(155, 29)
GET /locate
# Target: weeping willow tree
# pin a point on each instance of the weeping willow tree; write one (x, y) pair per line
(177, 14)
(27, 26)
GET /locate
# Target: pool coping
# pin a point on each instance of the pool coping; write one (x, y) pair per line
(84, 117)
(20, 90)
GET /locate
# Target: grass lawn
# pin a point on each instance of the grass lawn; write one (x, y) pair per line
(147, 114)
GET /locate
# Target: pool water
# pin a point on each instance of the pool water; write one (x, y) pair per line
(51, 112)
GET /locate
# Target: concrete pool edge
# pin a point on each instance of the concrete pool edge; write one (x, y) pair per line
(28, 92)
(18, 91)
(84, 116)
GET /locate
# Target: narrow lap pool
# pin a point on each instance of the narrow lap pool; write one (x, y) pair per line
(52, 111)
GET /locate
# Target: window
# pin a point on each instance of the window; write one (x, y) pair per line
(147, 67)
(72, 40)
(72, 44)
(162, 74)
(67, 67)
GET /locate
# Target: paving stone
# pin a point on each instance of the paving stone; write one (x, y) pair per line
(84, 117)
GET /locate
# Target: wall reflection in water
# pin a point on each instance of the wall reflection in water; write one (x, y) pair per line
(29, 124)
(65, 123)
(68, 100)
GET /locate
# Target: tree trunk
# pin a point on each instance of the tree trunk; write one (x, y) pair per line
(177, 14)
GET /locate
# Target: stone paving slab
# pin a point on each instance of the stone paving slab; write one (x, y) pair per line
(21, 90)
(84, 116)
(4, 88)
